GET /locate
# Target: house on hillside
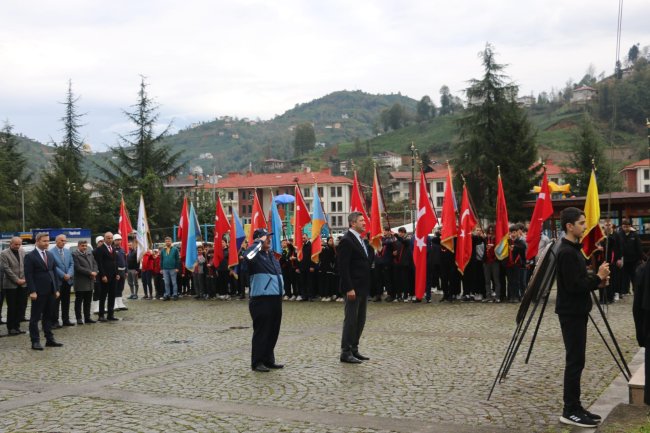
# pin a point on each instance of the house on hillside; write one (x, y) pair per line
(583, 94)
(401, 185)
(636, 176)
(388, 159)
(526, 101)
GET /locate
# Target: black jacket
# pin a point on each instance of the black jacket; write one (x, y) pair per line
(574, 283)
(106, 262)
(354, 265)
(630, 248)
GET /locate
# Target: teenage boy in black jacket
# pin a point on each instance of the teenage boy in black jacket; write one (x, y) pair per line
(573, 304)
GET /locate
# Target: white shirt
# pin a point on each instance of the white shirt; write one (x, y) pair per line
(358, 236)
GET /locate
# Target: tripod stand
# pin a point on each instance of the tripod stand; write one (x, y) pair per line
(537, 293)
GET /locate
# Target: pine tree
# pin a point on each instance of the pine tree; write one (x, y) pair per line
(495, 131)
(304, 139)
(12, 179)
(61, 199)
(140, 163)
(588, 150)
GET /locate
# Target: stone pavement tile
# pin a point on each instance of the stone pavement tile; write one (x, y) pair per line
(78, 414)
(6, 394)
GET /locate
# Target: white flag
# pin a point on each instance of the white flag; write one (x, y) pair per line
(142, 231)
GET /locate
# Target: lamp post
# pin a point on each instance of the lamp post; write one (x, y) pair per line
(22, 195)
(412, 192)
(70, 186)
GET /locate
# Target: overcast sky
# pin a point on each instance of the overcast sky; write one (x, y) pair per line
(255, 58)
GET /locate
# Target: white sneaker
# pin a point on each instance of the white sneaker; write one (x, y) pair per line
(339, 299)
(616, 297)
(333, 298)
(299, 298)
(478, 297)
(293, 298)
(95, 307)
(286, 298)
(324, 299)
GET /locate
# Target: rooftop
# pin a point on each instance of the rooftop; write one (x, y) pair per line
(264, 180)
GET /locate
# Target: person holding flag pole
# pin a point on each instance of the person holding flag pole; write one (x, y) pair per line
(426, 221)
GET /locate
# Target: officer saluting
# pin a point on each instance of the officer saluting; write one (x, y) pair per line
(265, 306)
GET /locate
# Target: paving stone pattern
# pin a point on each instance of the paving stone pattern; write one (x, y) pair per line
(184, 366)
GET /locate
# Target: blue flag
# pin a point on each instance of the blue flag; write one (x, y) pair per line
(191, 254)
(276, 228)
(241, 235)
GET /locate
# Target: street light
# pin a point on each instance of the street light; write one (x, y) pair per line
(412, 194)
(22, 193)
(70, 188)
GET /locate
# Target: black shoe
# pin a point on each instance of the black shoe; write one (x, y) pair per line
(175, 298)
(273, 365)
(20, 331)
(577, 418)
(389, 299)
(101, 319)
(261, 368)
(360, 356)
(13, 332)
(80, 322)
(37, 346)
(166, 298)
(591, 415)
(348, 358)
(53, 343)
(417, 301)
(112, 319)
(68, 323)
(56, 326)
(90, 321)
(24, 319)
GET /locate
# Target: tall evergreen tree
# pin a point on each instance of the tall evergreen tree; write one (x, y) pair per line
(140, 163)
(495, 131)
(587, 148)
(12, 179)
(61, 199)
(304, 139)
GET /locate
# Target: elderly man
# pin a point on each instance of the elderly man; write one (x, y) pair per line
(65, 274)
(43, 290)
(85, 271)
(13, 283)
(108, 275)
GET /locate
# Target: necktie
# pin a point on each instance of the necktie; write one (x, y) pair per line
(363, 245)
(61, 253)
(44, 257)
(110, 250)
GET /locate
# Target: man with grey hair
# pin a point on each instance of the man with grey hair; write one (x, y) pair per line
(85, 270)
(354, 257)
(108, 276)
(65, 275)
(13, 283)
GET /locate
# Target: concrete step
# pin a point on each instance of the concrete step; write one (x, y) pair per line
(636, 386)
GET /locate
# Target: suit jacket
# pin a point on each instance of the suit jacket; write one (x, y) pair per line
(64, 265)
(354, 265)
(41, 278)
(84, 264)
(106, 262)
(13, 270)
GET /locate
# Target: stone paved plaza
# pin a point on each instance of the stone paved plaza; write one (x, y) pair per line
(184, 367)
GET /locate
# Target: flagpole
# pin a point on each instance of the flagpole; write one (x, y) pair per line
(471, 202)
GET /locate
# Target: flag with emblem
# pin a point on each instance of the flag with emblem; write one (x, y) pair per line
(502, 229)
(183, 223)
(124, 227)
(449, 207)
(257, 219)
(543, 211)
(593, 232)
(357, 203)
(300, 219)
(426, 221)
(465, 228)
(221, 227)
(142, 232)
(376, 209)
(318, 221)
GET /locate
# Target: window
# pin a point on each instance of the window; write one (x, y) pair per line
(243, 195)
(320, 191)
(438, 201)
(333, 206)
(339, 206)
(277, 192)
(340, 219)
(231, 197)
(333, 191)
(333, 220)
(250, 209)
(646, 188)
(339, 191)
(307, 192)
(230, 208)
(440, 187)
(646, 174)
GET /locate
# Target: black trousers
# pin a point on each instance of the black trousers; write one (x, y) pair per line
(82, 299)
(42, 311)
(107, 297)
(385, 271)
(353, 323)
(627, 278)
(11, 296)
(23, 294)
(266, 312)
(62, 308)
(574, 334)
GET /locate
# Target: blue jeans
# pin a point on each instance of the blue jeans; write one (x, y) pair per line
(169, 275)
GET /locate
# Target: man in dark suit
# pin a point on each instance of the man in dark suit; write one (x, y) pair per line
(354, 257)
(43, 286)
(108, 276)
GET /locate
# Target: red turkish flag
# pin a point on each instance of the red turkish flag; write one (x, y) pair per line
(257, 219)
(221, 227)
(543, 211)
(357, 202)
(124, 227)
(449, 229)
(183, 224)
(427, 220)
(467, 224)
(301, 218)
(376, 209)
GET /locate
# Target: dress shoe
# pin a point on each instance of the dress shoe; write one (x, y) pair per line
(261, 368)
(349, 359)
(68, 323)
(56, 326)
(360, 356)
(37, 346)
(20, 331)
(273, 365)
(113, 319)
(13, 332)
(53, 343)
(101, 319)
(90, 321)
(80, 322)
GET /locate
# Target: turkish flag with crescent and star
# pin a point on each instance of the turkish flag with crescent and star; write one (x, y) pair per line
(257, 219)
(221, 227)
(467, 224)
(427, 220)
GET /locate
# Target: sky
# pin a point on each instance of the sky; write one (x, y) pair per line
(253, 58)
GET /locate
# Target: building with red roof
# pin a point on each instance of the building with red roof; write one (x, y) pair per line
(636, 176)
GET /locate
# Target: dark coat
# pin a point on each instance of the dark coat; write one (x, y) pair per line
(84, 264)
(13, 270)
(106, 262)
(354, 265)
(41, 278)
